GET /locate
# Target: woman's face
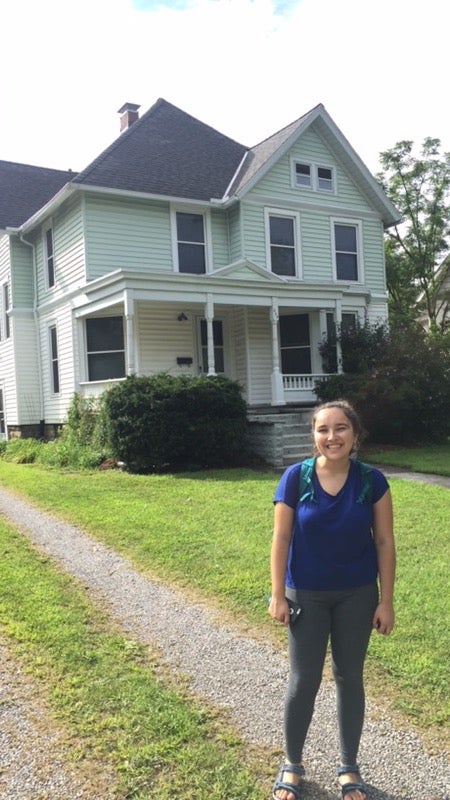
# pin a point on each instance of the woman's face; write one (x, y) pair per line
(334, 436)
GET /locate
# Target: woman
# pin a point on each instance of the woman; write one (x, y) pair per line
(333, 554)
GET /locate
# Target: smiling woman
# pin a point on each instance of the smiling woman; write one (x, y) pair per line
(328, 550)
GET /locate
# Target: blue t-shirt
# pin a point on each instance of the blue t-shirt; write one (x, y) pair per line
(332, 546)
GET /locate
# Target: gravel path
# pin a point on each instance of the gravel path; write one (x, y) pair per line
(228, 668)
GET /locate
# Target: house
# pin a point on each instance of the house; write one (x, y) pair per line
(180, 250)
(439, 299)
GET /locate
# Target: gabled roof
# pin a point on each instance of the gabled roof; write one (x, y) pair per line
(263, 156)
(25, 189)
(167, 152)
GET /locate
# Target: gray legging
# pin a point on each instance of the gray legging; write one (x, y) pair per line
(344, 618)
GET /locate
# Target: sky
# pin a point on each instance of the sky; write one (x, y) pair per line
(245, 67)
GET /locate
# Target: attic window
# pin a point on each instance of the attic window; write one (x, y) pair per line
(316, 177)
(303, 175)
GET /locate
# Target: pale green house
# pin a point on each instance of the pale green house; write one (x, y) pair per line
(183, 251)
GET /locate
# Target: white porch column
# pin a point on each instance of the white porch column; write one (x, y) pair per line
(209, 316)
(338, 321)
(130, 351)
(277, 378)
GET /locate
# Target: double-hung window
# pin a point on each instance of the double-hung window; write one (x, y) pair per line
(347, 259)
(49, 258)
(105, 348)
(191, 242)
(54, 359)
(282, 242)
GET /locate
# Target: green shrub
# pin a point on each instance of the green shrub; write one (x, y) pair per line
(176, 422)
(405, 397)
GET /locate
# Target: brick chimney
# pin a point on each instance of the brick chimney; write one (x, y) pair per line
(130, 113)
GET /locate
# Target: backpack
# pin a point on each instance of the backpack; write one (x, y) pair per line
(306, 488)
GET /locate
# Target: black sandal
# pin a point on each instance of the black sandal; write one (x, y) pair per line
(288, 787)
(350, 787)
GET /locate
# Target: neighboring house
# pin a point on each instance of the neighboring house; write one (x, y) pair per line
(441, 298)
(180, 250)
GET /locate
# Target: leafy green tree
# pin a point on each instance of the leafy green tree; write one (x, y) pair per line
(415, 248)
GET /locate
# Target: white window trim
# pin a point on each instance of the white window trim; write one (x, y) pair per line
(5, 311)
(355, 223)
(283, 212)
(207, 231)
(314, 167)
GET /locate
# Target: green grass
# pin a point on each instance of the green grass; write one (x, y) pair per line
(210, 532)
(118, 706)
(434, 459)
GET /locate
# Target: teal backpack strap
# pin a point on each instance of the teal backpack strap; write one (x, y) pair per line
(366, 483)
(306, 488)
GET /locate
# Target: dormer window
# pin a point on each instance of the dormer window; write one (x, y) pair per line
(316, 177)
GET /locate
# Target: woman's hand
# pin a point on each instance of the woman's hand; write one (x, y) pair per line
(384, 617)
(279, 610)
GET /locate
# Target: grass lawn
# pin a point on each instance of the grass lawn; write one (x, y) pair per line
(210, 533)
(434, 459)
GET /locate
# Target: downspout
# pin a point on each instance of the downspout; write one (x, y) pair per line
(38, 338)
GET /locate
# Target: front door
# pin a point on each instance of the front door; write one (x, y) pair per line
(295, 344)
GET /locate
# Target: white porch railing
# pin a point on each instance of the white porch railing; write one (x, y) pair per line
(302, 383)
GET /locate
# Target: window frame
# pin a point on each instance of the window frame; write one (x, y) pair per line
(283, 213)
(357, 225)
(5, 332)
(55, 381)
(89, 353)
(49, 256)
(207, 243)
(314, 185)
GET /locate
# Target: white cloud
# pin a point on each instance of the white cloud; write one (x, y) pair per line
(246, 67)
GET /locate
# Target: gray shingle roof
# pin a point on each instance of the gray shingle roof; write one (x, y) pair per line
(170, 153)
(25, 189)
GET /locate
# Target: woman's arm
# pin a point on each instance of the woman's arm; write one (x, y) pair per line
(282, 532)
(383, 526)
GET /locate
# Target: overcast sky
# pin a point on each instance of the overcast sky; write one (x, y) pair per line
(246, 67)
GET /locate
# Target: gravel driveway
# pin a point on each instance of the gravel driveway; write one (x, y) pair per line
(231, 670)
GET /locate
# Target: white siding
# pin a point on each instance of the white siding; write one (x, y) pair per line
(28, 400)
(68, 247)
(220, 242)
(56, 405)
(260, 354)
(162, 338)
(22, 284)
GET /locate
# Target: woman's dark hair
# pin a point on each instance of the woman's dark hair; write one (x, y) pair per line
(349, 412)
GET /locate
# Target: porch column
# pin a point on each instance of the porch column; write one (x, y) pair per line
(209, 316)
(338, 320)
(277, 378)
(130, 350)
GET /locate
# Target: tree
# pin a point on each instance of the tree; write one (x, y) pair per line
(415, 248)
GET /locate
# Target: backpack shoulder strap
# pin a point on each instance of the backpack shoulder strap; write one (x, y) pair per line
(306, 488)
(366, 483)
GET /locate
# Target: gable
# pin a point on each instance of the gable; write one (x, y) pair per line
(247, 270)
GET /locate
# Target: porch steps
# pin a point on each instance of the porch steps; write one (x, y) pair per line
(280, 436)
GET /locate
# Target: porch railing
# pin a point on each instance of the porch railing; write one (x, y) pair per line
(302, 383)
